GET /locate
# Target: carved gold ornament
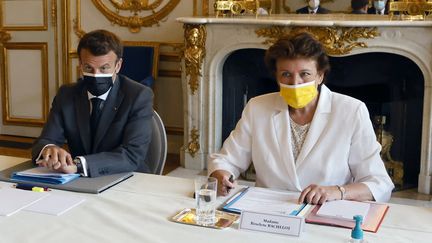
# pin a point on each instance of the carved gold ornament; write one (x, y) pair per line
(193, 145)
(4, 36)
(336, 40)
(240, 7)
(394, 168)
(136, 19)
(194, 53)
(410, 9)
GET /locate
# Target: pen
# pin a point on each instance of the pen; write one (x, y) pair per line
(231, 179)
(237, 196)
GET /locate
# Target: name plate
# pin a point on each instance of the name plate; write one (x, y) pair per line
(272, 223)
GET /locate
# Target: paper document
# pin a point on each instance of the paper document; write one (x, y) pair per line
(264, 200)
(13, 200)
(344, 209)
(44, 175)
(55, 204)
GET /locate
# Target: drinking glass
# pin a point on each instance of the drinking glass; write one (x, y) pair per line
(205, 196)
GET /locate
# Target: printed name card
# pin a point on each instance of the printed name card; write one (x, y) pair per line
(272, 223)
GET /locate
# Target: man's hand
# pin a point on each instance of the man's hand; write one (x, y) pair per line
(58, 159)
(224, 185)
(316, 194)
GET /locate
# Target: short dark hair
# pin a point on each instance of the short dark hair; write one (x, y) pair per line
(359, 4)
(300, 45)
(100, 42)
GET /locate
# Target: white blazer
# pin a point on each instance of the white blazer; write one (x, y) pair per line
(340, 147)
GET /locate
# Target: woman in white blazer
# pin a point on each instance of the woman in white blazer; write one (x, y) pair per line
(305, 138)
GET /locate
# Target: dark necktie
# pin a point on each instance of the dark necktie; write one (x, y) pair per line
(95, 115)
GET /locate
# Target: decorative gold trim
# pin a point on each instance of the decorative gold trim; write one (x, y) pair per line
(194, 53)
(155, 46)
(56, 50)
(4, 36)
(7, 118)
(193, 145)
(238, 7)
(65, 30)
(410, 9)
(205, 8)
(31, 28)
(53, 13)
(77, 21)
(1, 15)
(135, 22)
(336, 40)
(285, 7)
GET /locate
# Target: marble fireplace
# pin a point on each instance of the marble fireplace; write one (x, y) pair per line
(209, 42)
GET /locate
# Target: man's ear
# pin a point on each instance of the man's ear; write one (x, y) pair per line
(118, 65)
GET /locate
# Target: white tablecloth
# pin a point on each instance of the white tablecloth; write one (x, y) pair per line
(139, 210)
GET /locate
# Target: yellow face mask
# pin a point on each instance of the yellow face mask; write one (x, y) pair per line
(299, 95)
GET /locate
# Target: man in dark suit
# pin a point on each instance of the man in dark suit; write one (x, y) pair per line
(104, 117)
(313, 8)
(359, 6)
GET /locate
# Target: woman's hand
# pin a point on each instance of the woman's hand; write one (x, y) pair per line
(224, 185)
(316, 194)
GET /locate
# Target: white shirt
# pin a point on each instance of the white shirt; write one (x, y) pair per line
(340, 147)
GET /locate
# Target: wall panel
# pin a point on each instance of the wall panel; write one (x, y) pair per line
(24, 91)
(25, 15)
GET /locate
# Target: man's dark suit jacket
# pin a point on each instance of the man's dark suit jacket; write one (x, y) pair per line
(123, 133)
(305, 10)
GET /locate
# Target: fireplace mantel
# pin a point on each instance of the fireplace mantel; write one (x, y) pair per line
(209, 41)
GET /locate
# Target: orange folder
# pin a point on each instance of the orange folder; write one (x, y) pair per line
(373, 220)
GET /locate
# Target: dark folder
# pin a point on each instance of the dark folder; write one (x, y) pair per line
(82, 184)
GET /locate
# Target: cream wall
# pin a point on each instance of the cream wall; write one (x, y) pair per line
(40, 55)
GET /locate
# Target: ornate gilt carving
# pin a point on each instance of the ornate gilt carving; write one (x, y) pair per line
(4, 36)
(53, 13)
(237, 7)
(77, 28)
(193, 145)
(336, 40)
(410, 9)
(394, 168)
(135, 21)
(136, 6)
(194, 53)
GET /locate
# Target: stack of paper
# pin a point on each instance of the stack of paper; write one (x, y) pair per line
(44, 175)
(13, 200)
(344, 209)
(264, 200)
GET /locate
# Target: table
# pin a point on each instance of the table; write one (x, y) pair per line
(139, 210)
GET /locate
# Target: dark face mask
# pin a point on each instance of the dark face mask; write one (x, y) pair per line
(98, 84)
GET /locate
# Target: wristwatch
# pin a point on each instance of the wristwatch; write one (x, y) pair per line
(79, 166)
(342, 191)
